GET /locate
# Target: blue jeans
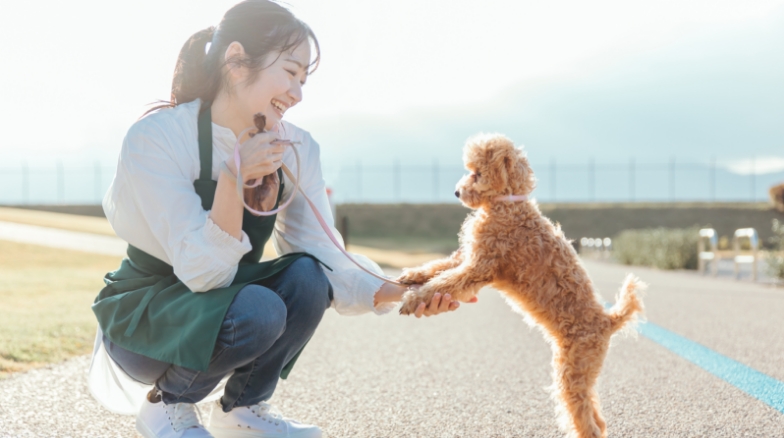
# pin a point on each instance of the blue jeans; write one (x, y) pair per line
(265, 327)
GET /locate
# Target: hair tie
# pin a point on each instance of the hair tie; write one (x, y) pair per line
(212, 42)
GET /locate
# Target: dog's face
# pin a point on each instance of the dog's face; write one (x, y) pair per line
(496, 168)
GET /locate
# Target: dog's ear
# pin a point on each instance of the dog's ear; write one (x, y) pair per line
(503, 164)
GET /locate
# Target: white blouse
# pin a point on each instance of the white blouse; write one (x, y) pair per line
(152, 205)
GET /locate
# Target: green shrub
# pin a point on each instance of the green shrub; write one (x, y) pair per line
(776, 260)
(663, 248)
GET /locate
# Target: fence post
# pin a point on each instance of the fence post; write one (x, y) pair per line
(631, 179)
(753, 177)
(672, 179)
(25, 183)
(359, 181)
(435, 180)
(712, 179)
(553, 179)
(60, 182)
(344, 230)
(592, 179)
(396, 179)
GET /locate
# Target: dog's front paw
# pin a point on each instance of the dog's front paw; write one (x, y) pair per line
(411, 300)
(413, 276)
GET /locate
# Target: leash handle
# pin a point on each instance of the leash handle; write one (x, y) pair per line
(297, 187)
(241, 183)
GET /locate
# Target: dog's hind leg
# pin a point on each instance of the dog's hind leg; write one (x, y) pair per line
(597, 412)
(577, 368)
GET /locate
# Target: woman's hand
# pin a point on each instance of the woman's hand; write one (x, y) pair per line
(259, 157)
(389, 293)
(437, 305)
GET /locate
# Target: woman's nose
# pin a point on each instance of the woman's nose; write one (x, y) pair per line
(295, 92)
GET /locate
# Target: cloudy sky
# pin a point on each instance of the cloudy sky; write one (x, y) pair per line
(410, 80)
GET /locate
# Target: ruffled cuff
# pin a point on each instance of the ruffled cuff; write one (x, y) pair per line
(226, 247)
(366, 282)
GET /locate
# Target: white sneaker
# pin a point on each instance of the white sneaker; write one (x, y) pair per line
(179, 420)
(257, 421)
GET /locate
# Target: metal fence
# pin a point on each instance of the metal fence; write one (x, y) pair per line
(591, 181)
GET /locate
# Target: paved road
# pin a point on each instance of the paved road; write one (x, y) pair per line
(480, 372)
(64, 239)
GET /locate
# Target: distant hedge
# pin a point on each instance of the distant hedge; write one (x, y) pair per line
(663, 248)
(776, 259)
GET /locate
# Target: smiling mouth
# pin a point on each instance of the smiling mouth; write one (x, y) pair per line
(280, 106)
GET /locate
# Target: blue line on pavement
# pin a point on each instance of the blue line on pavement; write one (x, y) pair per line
(758, 385)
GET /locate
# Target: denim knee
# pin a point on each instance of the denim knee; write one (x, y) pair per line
(256, 318)
(310, 285)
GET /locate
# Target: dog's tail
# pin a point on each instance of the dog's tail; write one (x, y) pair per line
(628, 305)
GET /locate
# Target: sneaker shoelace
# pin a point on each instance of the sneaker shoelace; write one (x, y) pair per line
(265, 411)
(184, 416)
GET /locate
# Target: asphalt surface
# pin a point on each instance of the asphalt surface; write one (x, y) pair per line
(481, 372)
(64, 239)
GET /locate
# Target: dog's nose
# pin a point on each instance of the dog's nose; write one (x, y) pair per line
(457, 193)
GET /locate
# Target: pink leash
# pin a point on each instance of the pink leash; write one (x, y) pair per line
(241, 184)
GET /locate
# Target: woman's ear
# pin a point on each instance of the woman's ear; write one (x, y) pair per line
(233, 58)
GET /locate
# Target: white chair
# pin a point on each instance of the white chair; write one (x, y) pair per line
(749, 234)
(709, 239)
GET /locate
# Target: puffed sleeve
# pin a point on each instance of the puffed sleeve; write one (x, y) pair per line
(298, 230)
(152, 204)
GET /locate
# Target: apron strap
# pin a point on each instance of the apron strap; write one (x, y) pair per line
(205, 144)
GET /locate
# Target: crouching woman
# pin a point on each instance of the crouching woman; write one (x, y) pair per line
(192, 314)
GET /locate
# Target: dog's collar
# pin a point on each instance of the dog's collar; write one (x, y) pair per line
(512, 198)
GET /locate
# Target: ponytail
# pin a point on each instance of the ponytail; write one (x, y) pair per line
(193, 79)
(261, 26)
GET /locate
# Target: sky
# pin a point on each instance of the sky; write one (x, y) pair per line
(410, 80)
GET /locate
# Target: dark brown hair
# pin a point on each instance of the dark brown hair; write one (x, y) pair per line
(261, 26)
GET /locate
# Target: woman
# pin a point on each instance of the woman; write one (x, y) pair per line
(191, 312)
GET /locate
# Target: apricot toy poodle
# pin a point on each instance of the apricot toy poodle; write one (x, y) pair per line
(507, 243)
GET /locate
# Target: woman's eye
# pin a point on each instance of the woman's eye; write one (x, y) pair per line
(292, 73)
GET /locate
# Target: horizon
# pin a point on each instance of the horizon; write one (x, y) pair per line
(574, 70)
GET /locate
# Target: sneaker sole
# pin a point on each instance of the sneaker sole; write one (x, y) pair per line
(144, 430)
(219, 432)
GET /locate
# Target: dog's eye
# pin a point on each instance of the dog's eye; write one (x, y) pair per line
(477, 174)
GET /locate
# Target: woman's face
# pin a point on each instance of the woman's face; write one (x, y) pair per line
(276, 88)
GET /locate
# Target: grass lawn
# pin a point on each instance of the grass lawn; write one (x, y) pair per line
(45, 299)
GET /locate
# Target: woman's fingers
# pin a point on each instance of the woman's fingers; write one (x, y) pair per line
(432, 309)
(262, 160)
(419, 310)
(445, 302)
(261, 137)
(276, 157)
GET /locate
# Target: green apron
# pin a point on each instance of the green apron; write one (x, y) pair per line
(146, 309)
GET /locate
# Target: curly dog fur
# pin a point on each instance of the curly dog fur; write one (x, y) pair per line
(512, 247)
